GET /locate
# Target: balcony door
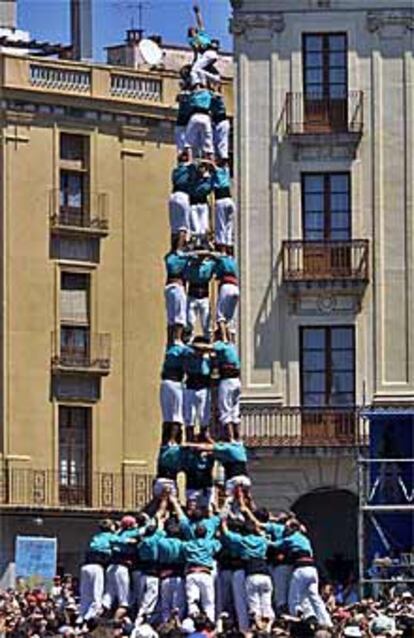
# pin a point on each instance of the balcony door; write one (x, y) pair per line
(327, 375)
(325, 82)
(326, 221)
(74, 455)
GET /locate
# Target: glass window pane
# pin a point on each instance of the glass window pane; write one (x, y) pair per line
(337, 58)
(314, 92)
(314, 235)
(313, 338)
(337, 91)
(340, 235)
(313, 59)
(339, 201)
(337, 42)
(313, 183)
(339, 183)
(314, 381)
(313, 43)
(314, 76)
(342, 359)
(314, 221)
(314, 399)
(340, 221)
(337, 76)
(342, 338)
(313, 360)
(345, 398)
(342, 382)
(314, 202)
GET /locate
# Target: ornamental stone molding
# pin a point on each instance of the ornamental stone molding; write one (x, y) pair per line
(396, 19)
(257, 26)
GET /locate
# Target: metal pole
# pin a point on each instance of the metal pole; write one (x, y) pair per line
(361, 540)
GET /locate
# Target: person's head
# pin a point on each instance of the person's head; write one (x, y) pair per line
(200, 622)
(128, 522)
(262, 515)
(172, 528)
(183, 157)
(105, 525)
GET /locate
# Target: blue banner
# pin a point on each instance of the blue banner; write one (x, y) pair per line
(35, 557)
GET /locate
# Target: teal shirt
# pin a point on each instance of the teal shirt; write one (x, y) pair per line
(201, 552)
(199, 271)
(218, 108)
(226, 355)
(226, 265)
(175, 263)
(196, 364)
(174, 361)
(200, 187)
(297, 543)
(187, 527)
(170, 551)
(221, 177)
(200, 100)
(148, 549)
(121, 546)
(248, 547)
(230, 452)
(201, 40)
(170, 459)
(198, 467)
(275, 531)
(184, 108)
(102, 542)
(182, 177)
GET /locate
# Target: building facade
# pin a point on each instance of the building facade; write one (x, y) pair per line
(324, 139)
(86, 154)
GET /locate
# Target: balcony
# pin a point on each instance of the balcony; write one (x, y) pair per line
(338, 266)
(103, 491)
(323, 127)
(273, 426)
(93, 355)
(90, 219)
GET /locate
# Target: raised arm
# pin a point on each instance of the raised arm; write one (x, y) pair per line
(178, 510)
(198, 17)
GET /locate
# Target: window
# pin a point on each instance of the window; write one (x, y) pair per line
(325, 81)
(327, 365)
(326, 206)
(74, 298)
(74, 455)
(74, 180)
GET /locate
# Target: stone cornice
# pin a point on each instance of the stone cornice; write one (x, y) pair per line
(257, 26)
(395, 18)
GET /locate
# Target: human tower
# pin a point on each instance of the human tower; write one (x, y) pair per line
(201, 560)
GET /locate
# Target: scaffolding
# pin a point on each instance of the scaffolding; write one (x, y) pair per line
(383, 492)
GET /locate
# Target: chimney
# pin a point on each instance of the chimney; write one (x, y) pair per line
(81, 29)
(8, 14)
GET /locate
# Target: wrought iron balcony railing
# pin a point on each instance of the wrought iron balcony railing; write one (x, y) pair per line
(312, 113)
(93, 354)
(100, 490)
(306, 261)
(272, 426)
(90, 216)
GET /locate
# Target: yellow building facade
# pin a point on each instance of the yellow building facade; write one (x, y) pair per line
(86, 156)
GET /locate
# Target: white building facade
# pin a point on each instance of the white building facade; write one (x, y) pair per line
(325, 141)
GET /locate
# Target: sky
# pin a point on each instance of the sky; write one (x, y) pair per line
(50, 20)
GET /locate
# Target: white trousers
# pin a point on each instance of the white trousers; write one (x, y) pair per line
(172, 593)
(281, 578)
(259, 595)
(237, 481)
(221, 133)
(179, 212)
(229, 391)
(171, 399)
(200, 308)
(117, 586)
(198, 70)
(199, 134)
(227, 302)
(197, 406)
(137, 587)
(175, 304)
(199, 589)
(304, 585)
(150, 591)
(199, 219)
(179, 135)
(91, 590)
(240, 599)
(224, 221)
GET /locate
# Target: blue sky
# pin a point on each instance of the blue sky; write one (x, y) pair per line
(49, 20)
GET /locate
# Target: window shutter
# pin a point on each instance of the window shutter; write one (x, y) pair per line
(74, 307)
